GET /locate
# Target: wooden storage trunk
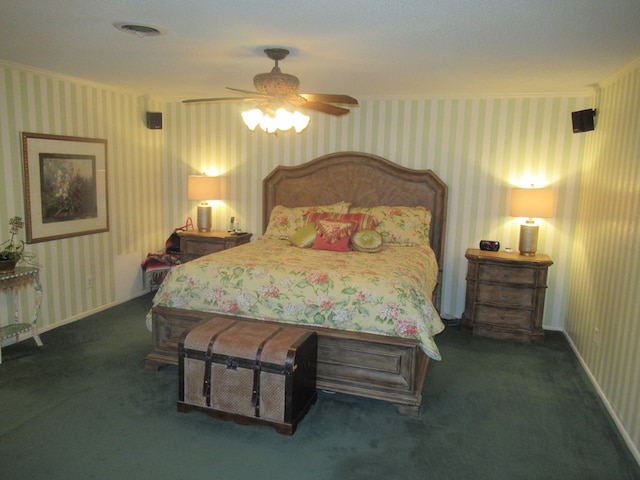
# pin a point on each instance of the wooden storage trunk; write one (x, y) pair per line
(250, 372)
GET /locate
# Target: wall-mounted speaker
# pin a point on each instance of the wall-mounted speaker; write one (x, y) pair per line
(154, 120)
(583, 120)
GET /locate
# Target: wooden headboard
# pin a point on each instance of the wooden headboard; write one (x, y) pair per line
(365, 180)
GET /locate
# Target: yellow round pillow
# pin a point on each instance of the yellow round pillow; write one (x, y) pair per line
(366, 241)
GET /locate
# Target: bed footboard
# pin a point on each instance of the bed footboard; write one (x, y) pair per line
(373, 366)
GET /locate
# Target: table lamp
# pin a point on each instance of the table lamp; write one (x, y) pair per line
(530, 203)
(203, 188)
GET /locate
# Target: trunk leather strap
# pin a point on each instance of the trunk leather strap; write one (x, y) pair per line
(206, 384)
(255, 398)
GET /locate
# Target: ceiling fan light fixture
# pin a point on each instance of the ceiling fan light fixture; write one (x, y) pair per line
(270, 121)
(277, 94)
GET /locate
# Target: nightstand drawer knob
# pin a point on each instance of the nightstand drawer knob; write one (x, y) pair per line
(506, 275)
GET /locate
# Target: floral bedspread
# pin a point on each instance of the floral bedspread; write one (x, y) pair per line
(386, 293)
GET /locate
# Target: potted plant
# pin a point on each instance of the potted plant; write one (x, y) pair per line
(12, 251)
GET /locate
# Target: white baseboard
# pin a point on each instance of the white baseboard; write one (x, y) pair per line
(82, 315)
(605, 400)
(27, 335)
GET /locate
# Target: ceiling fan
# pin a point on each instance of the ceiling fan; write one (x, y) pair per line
(275, 89)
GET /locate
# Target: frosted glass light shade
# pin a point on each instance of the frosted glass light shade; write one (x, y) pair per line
(269, 122)
(531, 202)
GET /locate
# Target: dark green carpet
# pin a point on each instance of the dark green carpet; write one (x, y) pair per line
(83, 407)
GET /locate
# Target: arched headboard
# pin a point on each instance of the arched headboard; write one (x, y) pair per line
(365, 180)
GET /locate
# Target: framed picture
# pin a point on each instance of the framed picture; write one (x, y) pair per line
(65, 186)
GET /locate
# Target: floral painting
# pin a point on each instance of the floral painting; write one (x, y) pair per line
(68, 187)
(65, 181)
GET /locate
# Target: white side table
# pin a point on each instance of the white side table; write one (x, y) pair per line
(23, 277)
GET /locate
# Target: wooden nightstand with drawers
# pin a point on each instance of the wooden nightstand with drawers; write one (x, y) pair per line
(194, 244)
(505, 295)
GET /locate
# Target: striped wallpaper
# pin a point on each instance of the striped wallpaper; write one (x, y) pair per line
(605, 278)
(34, 101)
(478, 146)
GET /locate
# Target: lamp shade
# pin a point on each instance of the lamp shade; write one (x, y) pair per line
(531, 202)
(203, 187)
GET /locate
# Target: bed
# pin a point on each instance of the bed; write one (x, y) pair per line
(360, 352)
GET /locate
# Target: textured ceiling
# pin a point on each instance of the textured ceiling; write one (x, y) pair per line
(358, 47)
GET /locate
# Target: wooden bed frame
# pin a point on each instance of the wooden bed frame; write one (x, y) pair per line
(374, 366)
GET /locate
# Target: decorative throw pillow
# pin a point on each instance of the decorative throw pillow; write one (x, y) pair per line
(367, 241)
(304, 237)
(284, 221)
(362, 220)
(333, 235)
(400, 225)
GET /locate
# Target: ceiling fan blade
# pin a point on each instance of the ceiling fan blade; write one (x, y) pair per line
(223, 99)
(329, 98)
(248, 92)
(324, 108)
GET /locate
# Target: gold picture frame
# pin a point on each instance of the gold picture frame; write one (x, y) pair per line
(65, 186)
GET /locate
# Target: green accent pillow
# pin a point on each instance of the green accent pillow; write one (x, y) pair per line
(367, 241)
(304, 237)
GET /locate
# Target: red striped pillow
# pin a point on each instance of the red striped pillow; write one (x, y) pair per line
(362, 221)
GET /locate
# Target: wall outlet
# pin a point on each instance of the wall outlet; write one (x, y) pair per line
(89, 282)
(596, 337)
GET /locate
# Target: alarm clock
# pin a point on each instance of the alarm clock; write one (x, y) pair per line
(489, 245)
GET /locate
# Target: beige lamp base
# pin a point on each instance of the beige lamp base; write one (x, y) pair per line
(204, 218)
(528, 244)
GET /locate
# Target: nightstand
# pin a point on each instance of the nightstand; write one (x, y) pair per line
(194, 244)
(505, 295)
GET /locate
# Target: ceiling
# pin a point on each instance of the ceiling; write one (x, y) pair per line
(357, 47)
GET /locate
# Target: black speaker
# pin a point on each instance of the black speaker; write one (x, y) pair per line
(583, 120)
(154, 120)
